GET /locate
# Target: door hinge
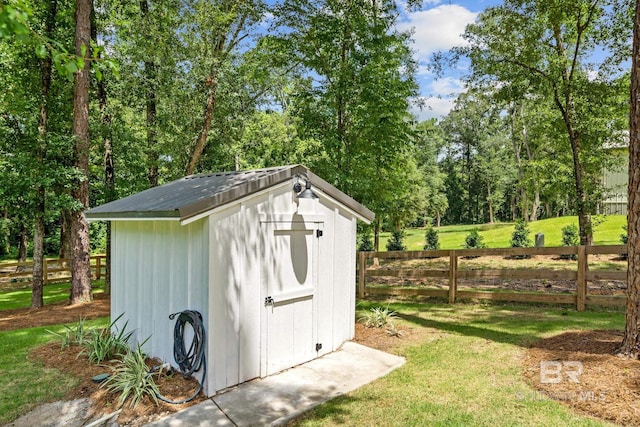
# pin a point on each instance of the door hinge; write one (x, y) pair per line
(269, 301)
(319, 233)
(318, 346)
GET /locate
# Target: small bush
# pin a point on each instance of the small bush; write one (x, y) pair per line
(393, 331)
(474, 240)
(520, 236)
(396, 242)
(570, 237)
(365, 242)
(132, 378)
(76, 334)
(378, 317)
(431, 238)
(105, 344)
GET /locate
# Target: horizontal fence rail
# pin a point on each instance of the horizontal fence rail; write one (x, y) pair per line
(54, 271)
(371, 268)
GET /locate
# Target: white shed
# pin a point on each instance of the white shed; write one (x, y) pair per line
(273, 274)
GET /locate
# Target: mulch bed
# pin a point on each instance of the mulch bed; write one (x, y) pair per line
(54, 314)
(608, 386)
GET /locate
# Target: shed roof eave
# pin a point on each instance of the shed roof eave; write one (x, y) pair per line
(133, 216)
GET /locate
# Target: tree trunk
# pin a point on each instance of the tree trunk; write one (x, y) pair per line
(109, 174)
(22, 244)
(65, 235)
(80, 269)
(201, 142)
(22, 247)
(212, 83)
(631, 343)
(41, 150)
(517, 151)
(490, 203)
(566, 106)
(150, 98)
(38, 258)
(376, 235)
(535, 207)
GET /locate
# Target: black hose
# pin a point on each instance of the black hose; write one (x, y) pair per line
(192, 359)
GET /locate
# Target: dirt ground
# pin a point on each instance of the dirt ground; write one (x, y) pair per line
(608, 387)
(54, 314)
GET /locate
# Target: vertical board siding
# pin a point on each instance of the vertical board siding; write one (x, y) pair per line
(250, 292)
(215, 265)
(343, 285)
(326, 279)
(225, 274)
(156, 274)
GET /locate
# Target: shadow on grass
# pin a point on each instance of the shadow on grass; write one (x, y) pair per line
(336, 411)
(521, 339)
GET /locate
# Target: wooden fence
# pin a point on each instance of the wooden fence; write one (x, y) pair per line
(55, 270)
(581, 275)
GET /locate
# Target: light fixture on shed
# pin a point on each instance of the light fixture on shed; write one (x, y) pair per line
(307, 193)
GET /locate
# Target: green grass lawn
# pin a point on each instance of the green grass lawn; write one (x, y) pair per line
(56, 292)
(25, 384)
(499, 235)
(465, 370)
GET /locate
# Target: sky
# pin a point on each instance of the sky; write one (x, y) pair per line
(438, 27)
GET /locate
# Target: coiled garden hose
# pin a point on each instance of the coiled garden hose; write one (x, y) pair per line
(192, 359)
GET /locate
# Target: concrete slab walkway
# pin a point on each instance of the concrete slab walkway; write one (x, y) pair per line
(277, 399)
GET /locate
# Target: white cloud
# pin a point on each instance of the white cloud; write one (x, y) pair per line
(432, 107)
(438, 28)
(423, 70)
(447, 86)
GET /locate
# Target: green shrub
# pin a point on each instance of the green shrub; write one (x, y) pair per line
(624, 238)
(365, 242)
(107, 343)
(520, 236)
(431, 238)
(474, 240)
(395, 243)
(570, 237)
(132, 378)
(76, 334)
(378, 317)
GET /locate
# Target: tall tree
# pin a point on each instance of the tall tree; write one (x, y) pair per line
(215, 31)
(475, 158)
(80, 268)
(41, 148)
(358, 78)
(631, 342)
(543, 47)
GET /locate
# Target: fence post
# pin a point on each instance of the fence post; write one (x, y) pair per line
(45, 271)
(453, 272)
(362, 269)
(581, 283)
(98, 267)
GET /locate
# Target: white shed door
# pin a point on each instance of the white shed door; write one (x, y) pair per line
(289, 289)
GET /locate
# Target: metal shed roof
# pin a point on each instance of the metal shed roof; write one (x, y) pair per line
(196, 194)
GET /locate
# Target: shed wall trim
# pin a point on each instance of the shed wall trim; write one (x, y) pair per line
(287, 217)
